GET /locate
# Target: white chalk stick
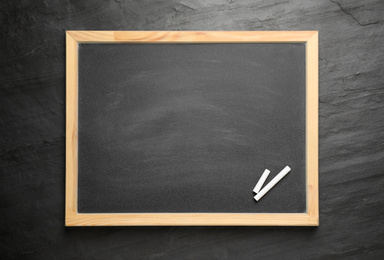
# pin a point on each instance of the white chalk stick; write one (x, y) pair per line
(272, 183)
(261, 181)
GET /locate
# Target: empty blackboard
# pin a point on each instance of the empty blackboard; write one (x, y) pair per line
(175, 128)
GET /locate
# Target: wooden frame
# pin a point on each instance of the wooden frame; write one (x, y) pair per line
(310, 218)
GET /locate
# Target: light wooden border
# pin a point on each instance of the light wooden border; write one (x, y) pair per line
(310, 218)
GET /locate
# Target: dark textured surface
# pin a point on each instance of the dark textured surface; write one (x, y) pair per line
(190, 128)
(32, 105)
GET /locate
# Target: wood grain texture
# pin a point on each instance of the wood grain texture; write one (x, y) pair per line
(311, 218)
(191, 219)
(312, 126)
(190, 36)
(71, 127)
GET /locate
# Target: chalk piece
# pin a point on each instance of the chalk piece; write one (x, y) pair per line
(261, 181)
(272, 183)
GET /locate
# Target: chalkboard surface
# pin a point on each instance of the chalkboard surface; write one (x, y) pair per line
(190, 127)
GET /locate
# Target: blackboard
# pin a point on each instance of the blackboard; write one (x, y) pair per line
(172, 129)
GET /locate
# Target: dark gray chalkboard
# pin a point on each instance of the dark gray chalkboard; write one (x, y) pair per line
(190, 127)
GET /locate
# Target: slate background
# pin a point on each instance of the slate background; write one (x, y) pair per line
(32, 132)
